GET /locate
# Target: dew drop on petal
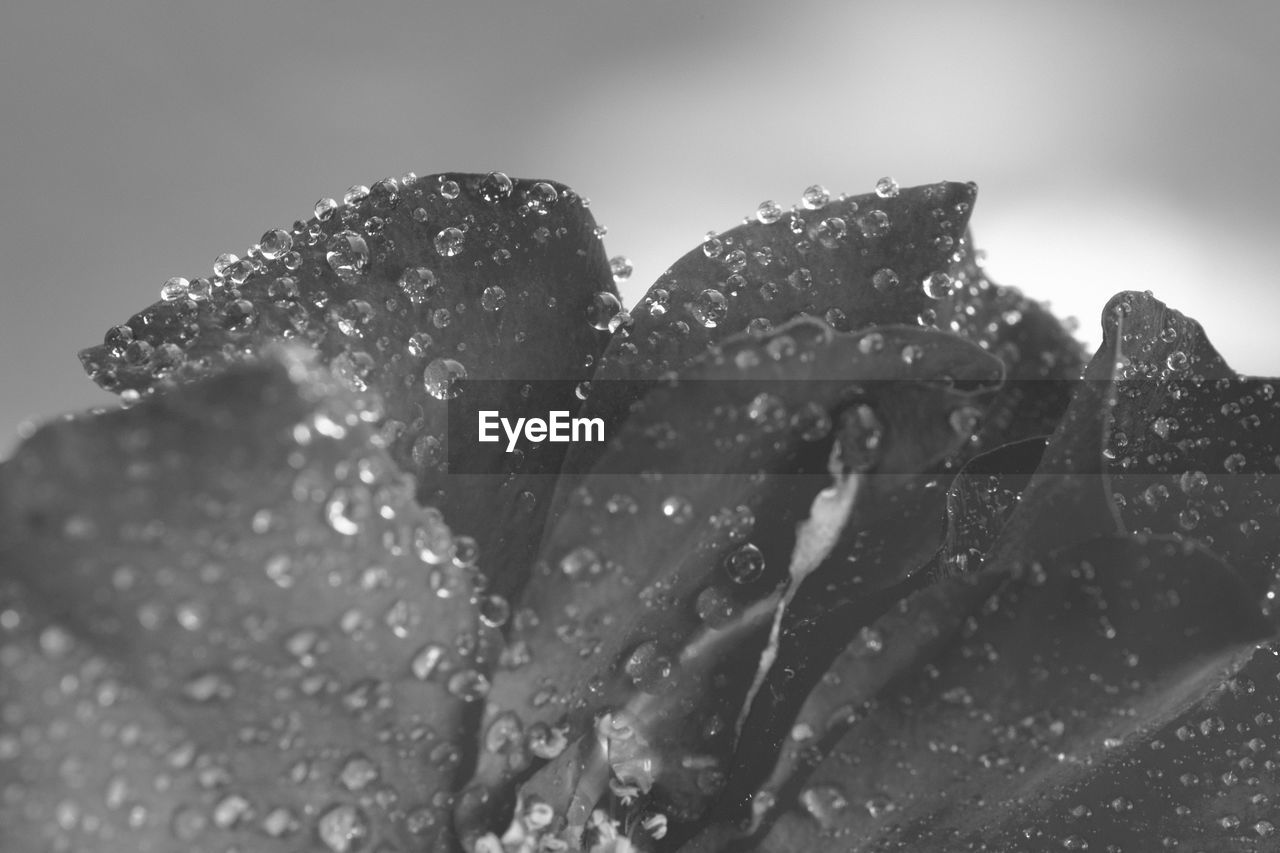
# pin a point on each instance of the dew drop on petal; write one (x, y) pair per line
(604, 307)
(493, 299)
(343, 828)
(874, 223)
(621, 268)
(815, 197)
(174, 289)
(710, 308)
(355, 194)
(324, 209)
(427, 661)
(468, 685)
(885, 279)
(347, 254)
(768, 212)
(677, 509)
(275, 243)
(745, 564)
(495, 187)
(417, 283)
(937, 285)
(831, 232)
(449, 241)
(887, 188)
(441, 377)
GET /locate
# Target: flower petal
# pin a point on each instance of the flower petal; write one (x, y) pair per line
(228, 624)
(1193, 448)
(643, 571)
(1022, 527)
(403, 290)
(1068, 667)
(1042, 360)
(855, 262)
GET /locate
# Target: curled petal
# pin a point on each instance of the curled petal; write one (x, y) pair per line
(405, 290)
(227, 623)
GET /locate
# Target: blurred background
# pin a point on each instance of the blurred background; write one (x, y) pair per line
(1116, 146)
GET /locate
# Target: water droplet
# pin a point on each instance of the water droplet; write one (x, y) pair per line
(604, 307)
(745, 564)
(494, 187)
(347, 254)
(449, 242)
(355, 194)
(1193, 482)
(441, 377)
(494, 611)
(768, 212)
(417, 283)
(275, 243)
(815, 197)
(427, 661)
(357, 772)
(710, 308)
(887, 188)
(539, 199)
(715, 607)
(825, 804)
(677, 509)
(493, 299)
(468, 685)
(174, 289)
(223, 263)
(647, 667)
(621, 268)
(937, 285)
(1235, 463)
(343, 828)
(581, 563)
(324, 209)
(831, 232)
(210, 686)
(874, 223)
(345, 510)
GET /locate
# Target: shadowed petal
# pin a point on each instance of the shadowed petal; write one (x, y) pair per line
(227, 624)
(405, 290)
(1072, 664)
(1194, 448)
(647, 577)
(855, 262)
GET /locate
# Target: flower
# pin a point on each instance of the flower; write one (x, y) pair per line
(871, 560)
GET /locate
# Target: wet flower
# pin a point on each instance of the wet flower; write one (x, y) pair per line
(873, 557)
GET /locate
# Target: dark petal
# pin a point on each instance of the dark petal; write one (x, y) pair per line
(1205, 779)
(982, 499)
(899, 541)
(228, 624)
(1071, 665)
(757, 276)
(634, 607)
(1194, 448)
(399, 292)
(894, 628)
(1042, 359)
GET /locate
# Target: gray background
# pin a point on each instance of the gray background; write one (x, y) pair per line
(1115, 146)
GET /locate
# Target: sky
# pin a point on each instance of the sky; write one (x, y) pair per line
(1115, 146)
